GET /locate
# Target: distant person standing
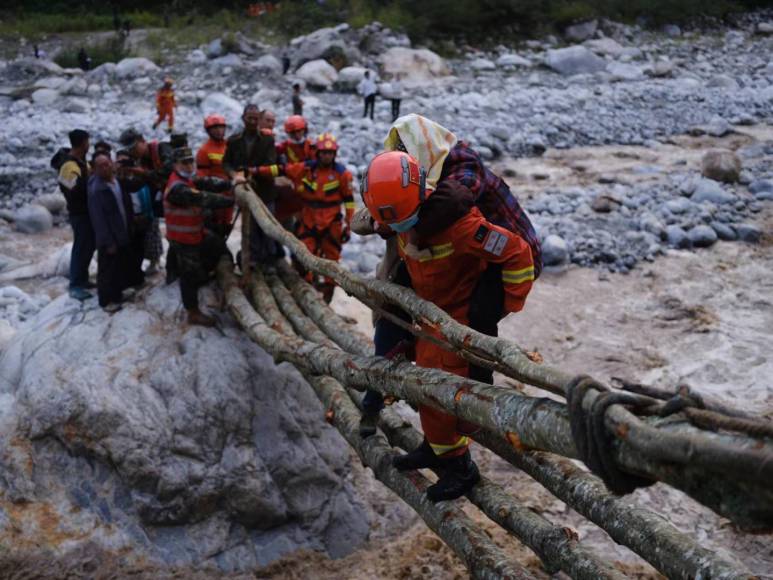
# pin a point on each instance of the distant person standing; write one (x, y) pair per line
(367, 88)
(110, 213)
(396, 95)
(73, 179)
(83, 59)
(37, 50)
(165, 105)
(297, 100)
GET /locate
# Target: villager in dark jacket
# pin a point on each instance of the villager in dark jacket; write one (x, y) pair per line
(111, 215)
(251, 154)
(73, 175)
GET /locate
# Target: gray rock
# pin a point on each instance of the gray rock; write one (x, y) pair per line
(270, 64)
(605, 203)
(555, 251)
(197, 56)
(679, 205)
(215, 48)
(672, 30)
(761, 185)
(513, 61)
(702, 236)
(134, 67)
(764, 195)
(748, 233)
(349, 77)
(661, 68)
(722, 82)
(620, 71)
(721, 165)
(53, 202)
(581, 31)
(415, 66)
(711, 191)
(222, 63)
(677, 237)
(33, 219)
(75, 105)
(765, 28)
(574, 60)
(724, 231)
(482, 64)
(45, 97)
(323, 44)
(222, 104)
(319, 74)
(605, 47)
(187, 446)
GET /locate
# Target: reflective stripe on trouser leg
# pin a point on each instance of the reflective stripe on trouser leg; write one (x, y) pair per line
(440, 430)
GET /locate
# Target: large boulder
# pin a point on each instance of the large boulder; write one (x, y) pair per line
(26, 68)
(45, 97)
(415, 66)
(53, 202)
(605, 47)
(721, 165)
(270, 64)
(513, 61)
(482, 64)
(349, 77)
(708, 190)
(555, 251)
(319, 74)
(222, 104)
(574, 60)
(622, 71)
(325, 43)
(130, 68)
(581, 31)
(172, 444)
(33, 219)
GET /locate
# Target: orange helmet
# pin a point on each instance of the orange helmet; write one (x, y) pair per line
(326, 142)
(393, 189)
(295, 123)
(213, 121)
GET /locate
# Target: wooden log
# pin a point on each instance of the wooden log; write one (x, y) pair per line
(646, 533)
(714, 453)
(557, 547)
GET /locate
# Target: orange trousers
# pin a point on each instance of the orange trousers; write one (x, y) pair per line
(167, 113)
(324, 243)
(446, 434)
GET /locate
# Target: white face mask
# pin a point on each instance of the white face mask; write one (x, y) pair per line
(185, 174)
(298, 141)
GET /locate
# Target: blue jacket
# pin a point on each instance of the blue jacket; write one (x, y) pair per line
(110, 227)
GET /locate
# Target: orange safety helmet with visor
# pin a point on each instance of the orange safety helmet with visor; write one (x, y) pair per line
(393, 189)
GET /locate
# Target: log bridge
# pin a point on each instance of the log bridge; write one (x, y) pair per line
(627, 436)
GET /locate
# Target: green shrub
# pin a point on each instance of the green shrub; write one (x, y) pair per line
(111, 50)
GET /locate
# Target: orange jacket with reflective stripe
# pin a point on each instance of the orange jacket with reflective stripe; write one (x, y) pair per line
(184, 224)
(209, 159)
(446, 267)
(322, 190)
(165, 99)
(296, 152)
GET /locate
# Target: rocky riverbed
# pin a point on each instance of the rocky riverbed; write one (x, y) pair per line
(643, 158)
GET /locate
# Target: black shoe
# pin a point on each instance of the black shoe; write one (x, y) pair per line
(460, 476)
(420, 458)
(368, 424)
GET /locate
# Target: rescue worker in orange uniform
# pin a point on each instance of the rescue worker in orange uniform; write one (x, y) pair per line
(297, 148)
(446, 247)
(209, 163)
(323, 186)
(165, 105)
(196, 249)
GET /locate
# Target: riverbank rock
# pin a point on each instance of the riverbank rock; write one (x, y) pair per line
(319, 74)
(33, 219)
(574, 60)
(175, 444)
(721, 165)
(135, 67)
(415, 66)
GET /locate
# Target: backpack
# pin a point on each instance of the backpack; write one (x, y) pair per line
(59, 158)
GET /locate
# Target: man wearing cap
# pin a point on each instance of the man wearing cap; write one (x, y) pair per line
(251, 155)
(154, 164)
(197, 250)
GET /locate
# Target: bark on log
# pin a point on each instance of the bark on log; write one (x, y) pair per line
(620, 422)
(646, 533)
(557, 547)
(482, 557)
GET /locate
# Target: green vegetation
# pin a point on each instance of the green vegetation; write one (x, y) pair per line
(189, 21)
(111, 50)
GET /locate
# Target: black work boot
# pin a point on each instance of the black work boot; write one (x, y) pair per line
(368, 423)
(459, 477)
(420, 458)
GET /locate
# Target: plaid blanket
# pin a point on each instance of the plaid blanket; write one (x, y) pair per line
(492, 196)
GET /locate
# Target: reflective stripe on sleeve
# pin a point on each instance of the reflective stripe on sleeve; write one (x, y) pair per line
(518, 276)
